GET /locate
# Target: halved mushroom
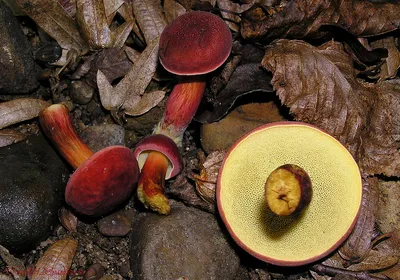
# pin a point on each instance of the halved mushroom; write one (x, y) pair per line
(318, 229)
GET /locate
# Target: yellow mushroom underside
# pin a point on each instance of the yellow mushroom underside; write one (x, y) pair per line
(322, 226)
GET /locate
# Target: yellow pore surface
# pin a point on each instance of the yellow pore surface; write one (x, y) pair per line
(337, 191)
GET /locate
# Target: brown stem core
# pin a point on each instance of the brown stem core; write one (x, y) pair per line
(56, 124)
(151, 183)
(181, 107)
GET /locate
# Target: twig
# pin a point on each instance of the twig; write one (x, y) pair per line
(333, 271)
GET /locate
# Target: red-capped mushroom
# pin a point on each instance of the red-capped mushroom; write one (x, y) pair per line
(193, 45)
(159, 159)
(102, 180)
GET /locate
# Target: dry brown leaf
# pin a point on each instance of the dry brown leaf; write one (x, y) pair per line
(18, 110)
(56, 261)
(128, 93)
(111, 6)
(319, 86)
(231, 19)
(9, 136)
(359, 243)
(53, 19)
(14, 266)
(303, 18)
(92, 20)
(392, 62)
(374, 261)
(388, 216)
(207, 179)
(150, 18)
(173, 9)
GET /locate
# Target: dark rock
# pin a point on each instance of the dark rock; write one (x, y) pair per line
(115, 224)
(18, 69)
(187, 243)
(33, 179)
(98, 137)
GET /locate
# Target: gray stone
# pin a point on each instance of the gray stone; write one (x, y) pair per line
(98, 137)
(33, 179)
(187, 243)
(18, 69)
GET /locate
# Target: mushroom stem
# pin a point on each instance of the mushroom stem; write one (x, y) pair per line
(181, 107)
(151, 183)
(56, 124)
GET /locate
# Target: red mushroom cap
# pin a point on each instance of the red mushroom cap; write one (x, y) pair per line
(164, 145)
(103, 181)
(195, 43)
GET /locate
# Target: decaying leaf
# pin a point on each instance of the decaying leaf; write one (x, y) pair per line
(128, 93)
(111, 6)
(52, 18)
(388, 215)
(375, 261)
(319, 86)
(303, 18)
(9, 136)
(56, 261)
(14, 266)
(150, 18)
(207, 179)
(67, 219)
(359, 243)
(112, 62)
(18, 110)
(173, 9)
(232, 18)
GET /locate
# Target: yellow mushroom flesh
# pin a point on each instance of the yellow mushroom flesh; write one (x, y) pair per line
(322, 226)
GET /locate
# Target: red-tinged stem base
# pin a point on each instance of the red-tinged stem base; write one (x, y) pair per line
(151, 183)
(56, 124)
(181, 107)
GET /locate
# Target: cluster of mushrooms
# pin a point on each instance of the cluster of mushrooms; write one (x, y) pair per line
(288, 193)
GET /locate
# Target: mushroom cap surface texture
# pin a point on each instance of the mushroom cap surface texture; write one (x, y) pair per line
(164, 145)
(325, 223)
(103, 181)
(195, 43)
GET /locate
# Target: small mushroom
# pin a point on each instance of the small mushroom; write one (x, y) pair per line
(316, 230)
(102, 180)
(194, 44)
(159, 159)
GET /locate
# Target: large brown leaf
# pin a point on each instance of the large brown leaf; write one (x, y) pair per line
(301, 18)
(319, 86)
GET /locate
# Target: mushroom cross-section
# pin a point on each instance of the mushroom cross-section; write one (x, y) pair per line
(193, 45)
(295, 239)
(102, 180)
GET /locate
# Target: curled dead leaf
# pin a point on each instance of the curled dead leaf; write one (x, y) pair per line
(207, 179)
(18, 110)
(359, 244)
(14, 265)
(319, 86)
(303, 18)
(389, 68)
(67, 219)
(56, 261)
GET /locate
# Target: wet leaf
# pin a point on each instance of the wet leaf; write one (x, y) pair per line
(14, 266)
(129, 92)
(303, 18)
(53, 19)
(319, 86)
(359, 243)
(18, 110)
(56, 261)
(9, 136)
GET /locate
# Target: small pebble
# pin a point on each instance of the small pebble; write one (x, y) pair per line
(94, 272)
(116, 224)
